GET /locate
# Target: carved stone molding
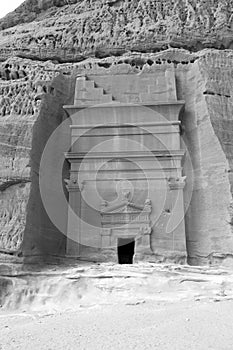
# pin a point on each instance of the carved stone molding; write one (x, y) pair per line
(127, 220)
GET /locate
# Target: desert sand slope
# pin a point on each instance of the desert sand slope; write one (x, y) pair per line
(180, 326)
(118, 307)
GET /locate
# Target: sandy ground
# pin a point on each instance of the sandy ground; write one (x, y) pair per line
(193, 326)
(120, 307)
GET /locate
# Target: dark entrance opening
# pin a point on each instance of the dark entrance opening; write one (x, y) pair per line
(125, 250)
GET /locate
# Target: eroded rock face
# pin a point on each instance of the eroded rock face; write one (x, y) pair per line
(205, 86)
(208, 126)
(69, 29)
(15, 146)
(20, 100)
(13, 203)
(74, 30)
(41, 236)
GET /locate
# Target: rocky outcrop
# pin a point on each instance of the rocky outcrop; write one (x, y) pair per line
(70, 30)
(13, 202)
(108, 35)
(204, 81)
(20, 101)
(62, 288)
(208, 130)
(31, 10)
(14, 179)
(22, 85)
(41, 236)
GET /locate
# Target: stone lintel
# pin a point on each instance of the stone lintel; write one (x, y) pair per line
(126, 125)
(72, 157)
(176, 105)
(71, 109)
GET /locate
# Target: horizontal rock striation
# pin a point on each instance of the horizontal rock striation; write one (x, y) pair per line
(20, 99)
(70, 30)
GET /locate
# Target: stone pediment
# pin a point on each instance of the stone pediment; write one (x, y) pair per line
(127, 216)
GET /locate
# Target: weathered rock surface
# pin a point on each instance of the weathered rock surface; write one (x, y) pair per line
(15, 145)
(57, 289)
(19, 108)
(36, 241)
(205, 85)
(203, 81)
(208, 130)
(68, 30)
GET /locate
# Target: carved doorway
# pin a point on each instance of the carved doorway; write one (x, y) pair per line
(125, 250)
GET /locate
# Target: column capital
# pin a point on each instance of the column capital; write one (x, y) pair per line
(176, 183)
(72, 185)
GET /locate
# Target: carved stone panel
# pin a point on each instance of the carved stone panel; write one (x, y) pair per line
(127, 220)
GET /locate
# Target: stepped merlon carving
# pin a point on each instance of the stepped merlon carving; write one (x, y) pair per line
(88, 93)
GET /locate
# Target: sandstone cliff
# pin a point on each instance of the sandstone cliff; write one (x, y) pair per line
(19, 108)
(130, 34)
(70, 30)
(208, 134)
